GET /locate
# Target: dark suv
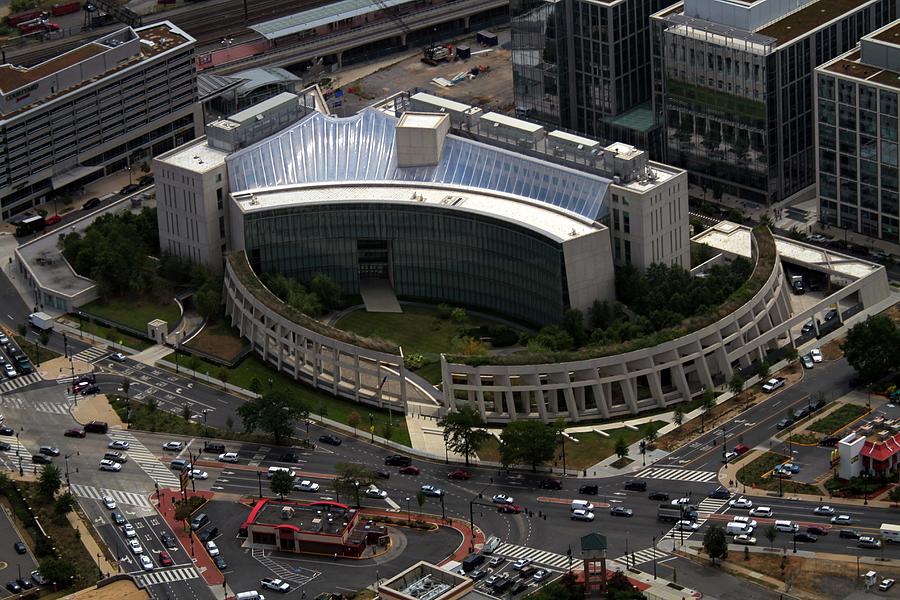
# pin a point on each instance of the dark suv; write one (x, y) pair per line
(637, 486)
(658, 496)
(550, 484)
(588, 490)
(398, 460)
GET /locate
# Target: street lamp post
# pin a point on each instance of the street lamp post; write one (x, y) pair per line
(653, 549)
(446, 452)
(408, 515)
(66, 457)
(259, 481)
(443, 511)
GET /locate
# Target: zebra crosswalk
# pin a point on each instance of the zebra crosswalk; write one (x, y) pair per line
(541, 557)
(632, 559)
(711, 505)
(707, 506)
(17, 402)
(19, 382)
(91, 354)
(130, 498)
(678, 474)
(145, 459)
(16, 452)
(167, 576)
(293, 575)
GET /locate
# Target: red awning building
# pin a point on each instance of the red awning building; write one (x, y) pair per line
(881, 454)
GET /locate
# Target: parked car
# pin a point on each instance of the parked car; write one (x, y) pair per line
(773, 384)
(39, 579)
(816, 355)
(14, 587)
(807, 361)
(784, 423)
(278, 585)
(729, 456)
(331, 440)
(209, 534)
(20, 547)
(220, 562)
(459, 474)
(211, 548)
(7, 431)
(91, 204)
(129, 189)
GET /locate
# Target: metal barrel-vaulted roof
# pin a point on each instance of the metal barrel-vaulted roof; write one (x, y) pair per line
(319, 149)
(321, 15)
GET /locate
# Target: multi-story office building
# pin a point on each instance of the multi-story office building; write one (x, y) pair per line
(87, 113)
(856, 136)
(733, 85)
(584, 65)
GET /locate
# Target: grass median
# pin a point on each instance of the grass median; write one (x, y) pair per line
(757, 473)
(838, 419)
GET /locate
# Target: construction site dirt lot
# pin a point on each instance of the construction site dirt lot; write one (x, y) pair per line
(492, 90)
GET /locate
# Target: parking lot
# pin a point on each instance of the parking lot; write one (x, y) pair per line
(12, 564)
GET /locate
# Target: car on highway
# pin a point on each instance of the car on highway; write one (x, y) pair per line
(686, 526)
(496, 561)
(90, 204)
(373, 491)
(212, 548)
(803, 536)
(278, 585)
(128, 530)
(397, 460)
(867, 541)
(589, 490)
(886, 584)
(636, 486)
(773, 384)
(747, 521)
(14, 587)
(745, 539)
(478, 574)
(118, 445)
(720, 493)
(680, 501)
(306, 486)
(50, 450)
(129, 189)
(510, 509)
(410, 470)
(621, 511)
(20, 547)
(459, 474)
(579, 514)
(331, 440)
(109, 502)
(75, 433)
(117, 518)
(741, 502)
(817, 530)
(40, 459)
(229, 457)
(816, 355)
(784, 423)
(430, 490)
(824, 510)
(173, 446)
(550, 484)
(7, 431)
(289, 457)
(91, 389)
(165, 560)
(540, 575)
(9, 371)
(658, 496)
(841, 520)
(852, 534)
(521, 564)
(168, 540)
(729, 456)
(146, 563)
(807, 361)
(135, 547)
(118, 357)
(220, 562)
(4, 446)
(502, 499)
(198, 474)
(383, 474)
(761, 511)
(110, 465)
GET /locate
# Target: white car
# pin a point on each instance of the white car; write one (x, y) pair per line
(10, 372)
(117, 445)
(579, 514)
(128, 530)
(198, 474)
(841, 520)
(306, 486)
(521, 563)
(686, 526)
(761, 511)
(824, 510)
(773, 384)
(502, 499)
(229, 457)
(135, 547)
(729, 456)
(430, 490)
(146, 563)
(279, 585)
(118, 357)
(816, 355)
(173, 446)
(745, 539)
(212, 548)
(741, 503)
(747, 521)
(109, 503)
(110, 465)
(373, 492)
(681, 501)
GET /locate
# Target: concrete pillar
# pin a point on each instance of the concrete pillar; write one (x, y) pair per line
(356, 382)
(466, 22)
(680, 380)
(479, 399)
(627, 385)
(602, 402)
(703, 371)
(656, 388)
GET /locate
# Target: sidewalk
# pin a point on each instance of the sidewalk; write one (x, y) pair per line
(165, 506)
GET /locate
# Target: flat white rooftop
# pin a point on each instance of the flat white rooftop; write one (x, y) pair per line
(734, 239)
(420, 120)
(552, 222)
(511, 122)
(197, 156)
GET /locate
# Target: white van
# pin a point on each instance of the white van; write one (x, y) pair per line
(734, 528)
(491, 545)
(787, 526)
(273, 470)
(253, 595)
(581, 505)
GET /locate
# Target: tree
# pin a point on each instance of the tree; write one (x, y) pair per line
(573, 324)
(763, 370)
(255, 385)
(183, 512)
(229, 423)
(715, 544)
(353, 421)
(282, 483)
(771, 533)
(49, 482)
(224, 376)
(57, 570)
(529, 442)
(458, 315)
(564, 588)
(678, 415)
(736, 384)
(871, 348)
(464, 431)
(63, 505)
(387, 431)
(152, 404)
(650, 437)
(619, 588)
(707, 403)
(351, 477)
(327, 290)
(420, 499)
(186, 413)
(193, 363)
(274, 413)
(792, 355)
(621, 447)
(894, 494)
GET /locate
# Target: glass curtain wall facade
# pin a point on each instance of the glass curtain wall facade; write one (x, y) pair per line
(858, 156)
(433, 254)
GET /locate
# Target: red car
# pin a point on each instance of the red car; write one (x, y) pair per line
(53, 220)
(460, 474)
(79, 433)
(164, 559)
(741, 448)
(410, 470)
(509, 508)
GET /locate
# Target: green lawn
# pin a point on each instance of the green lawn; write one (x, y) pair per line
(112, 334)
(134, 312)
(430, 372)
(219, 339)
(37, 354)
(337, 409)
(838, 419)
(416, 329)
